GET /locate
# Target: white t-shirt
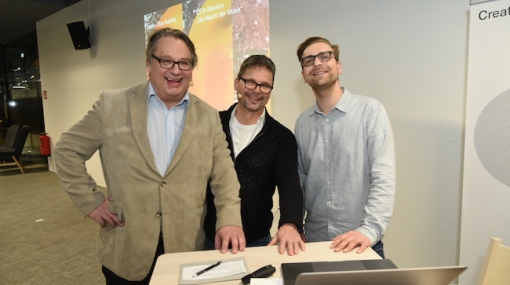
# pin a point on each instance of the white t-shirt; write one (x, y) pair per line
(242, 135)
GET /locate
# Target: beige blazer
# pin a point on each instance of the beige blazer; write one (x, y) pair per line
(146, 202)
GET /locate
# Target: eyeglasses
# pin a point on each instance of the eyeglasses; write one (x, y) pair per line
(252, 85)
(169, 64)
(322, 56)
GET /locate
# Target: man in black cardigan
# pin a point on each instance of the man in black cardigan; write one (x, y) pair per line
(265, 157)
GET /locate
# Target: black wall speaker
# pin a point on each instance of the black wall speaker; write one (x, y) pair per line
(79, 35)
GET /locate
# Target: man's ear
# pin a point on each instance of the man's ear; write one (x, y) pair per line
(236, 81)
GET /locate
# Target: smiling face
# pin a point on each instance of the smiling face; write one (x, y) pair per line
(254, 100)
(321, 75)
(170, 84)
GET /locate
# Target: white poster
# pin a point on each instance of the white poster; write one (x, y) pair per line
(486, 185)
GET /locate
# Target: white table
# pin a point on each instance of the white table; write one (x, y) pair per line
(167, 267)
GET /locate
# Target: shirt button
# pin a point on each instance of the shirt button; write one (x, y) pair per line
(163, 184)
(158, 214)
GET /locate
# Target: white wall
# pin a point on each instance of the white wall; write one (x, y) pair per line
(411, 55)
(486, 191)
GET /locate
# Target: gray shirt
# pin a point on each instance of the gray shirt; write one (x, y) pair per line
(346, 164)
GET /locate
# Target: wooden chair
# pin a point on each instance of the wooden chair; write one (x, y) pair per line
(496, 267)
(10, 152)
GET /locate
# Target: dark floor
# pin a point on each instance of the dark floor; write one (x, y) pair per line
(43, 238)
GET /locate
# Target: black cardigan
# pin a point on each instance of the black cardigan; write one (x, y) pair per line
(270, 160)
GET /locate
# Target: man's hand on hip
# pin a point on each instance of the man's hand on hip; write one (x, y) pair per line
(102, 215)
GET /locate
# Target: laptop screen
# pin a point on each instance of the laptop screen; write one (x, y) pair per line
(406, 276)
(290, 271)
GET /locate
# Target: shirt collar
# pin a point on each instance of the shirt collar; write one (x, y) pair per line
(260, 120)
(342, 104)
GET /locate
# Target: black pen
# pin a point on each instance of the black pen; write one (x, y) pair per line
(206, 269)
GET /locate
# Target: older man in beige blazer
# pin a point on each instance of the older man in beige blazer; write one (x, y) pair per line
(147, 210)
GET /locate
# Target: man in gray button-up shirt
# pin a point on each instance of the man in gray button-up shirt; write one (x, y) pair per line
(346, 157)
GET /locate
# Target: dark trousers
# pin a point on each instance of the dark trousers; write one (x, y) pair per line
(113, 279)
(378, 248)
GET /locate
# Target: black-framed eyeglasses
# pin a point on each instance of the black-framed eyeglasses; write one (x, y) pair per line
(322, 56)
(169, 64)
(252, 85)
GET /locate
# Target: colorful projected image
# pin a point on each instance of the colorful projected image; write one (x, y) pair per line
(225, 32)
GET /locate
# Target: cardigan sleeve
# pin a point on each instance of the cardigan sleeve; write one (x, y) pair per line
(287, 181)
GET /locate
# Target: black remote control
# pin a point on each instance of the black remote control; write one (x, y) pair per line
(262, 272)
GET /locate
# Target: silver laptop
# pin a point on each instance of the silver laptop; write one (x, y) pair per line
(290, 271)
(404, 276)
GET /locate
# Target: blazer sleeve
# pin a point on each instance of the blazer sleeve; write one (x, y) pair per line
(72, 150)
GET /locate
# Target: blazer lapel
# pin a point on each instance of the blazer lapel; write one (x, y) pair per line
(138, 111)
(188, 133)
